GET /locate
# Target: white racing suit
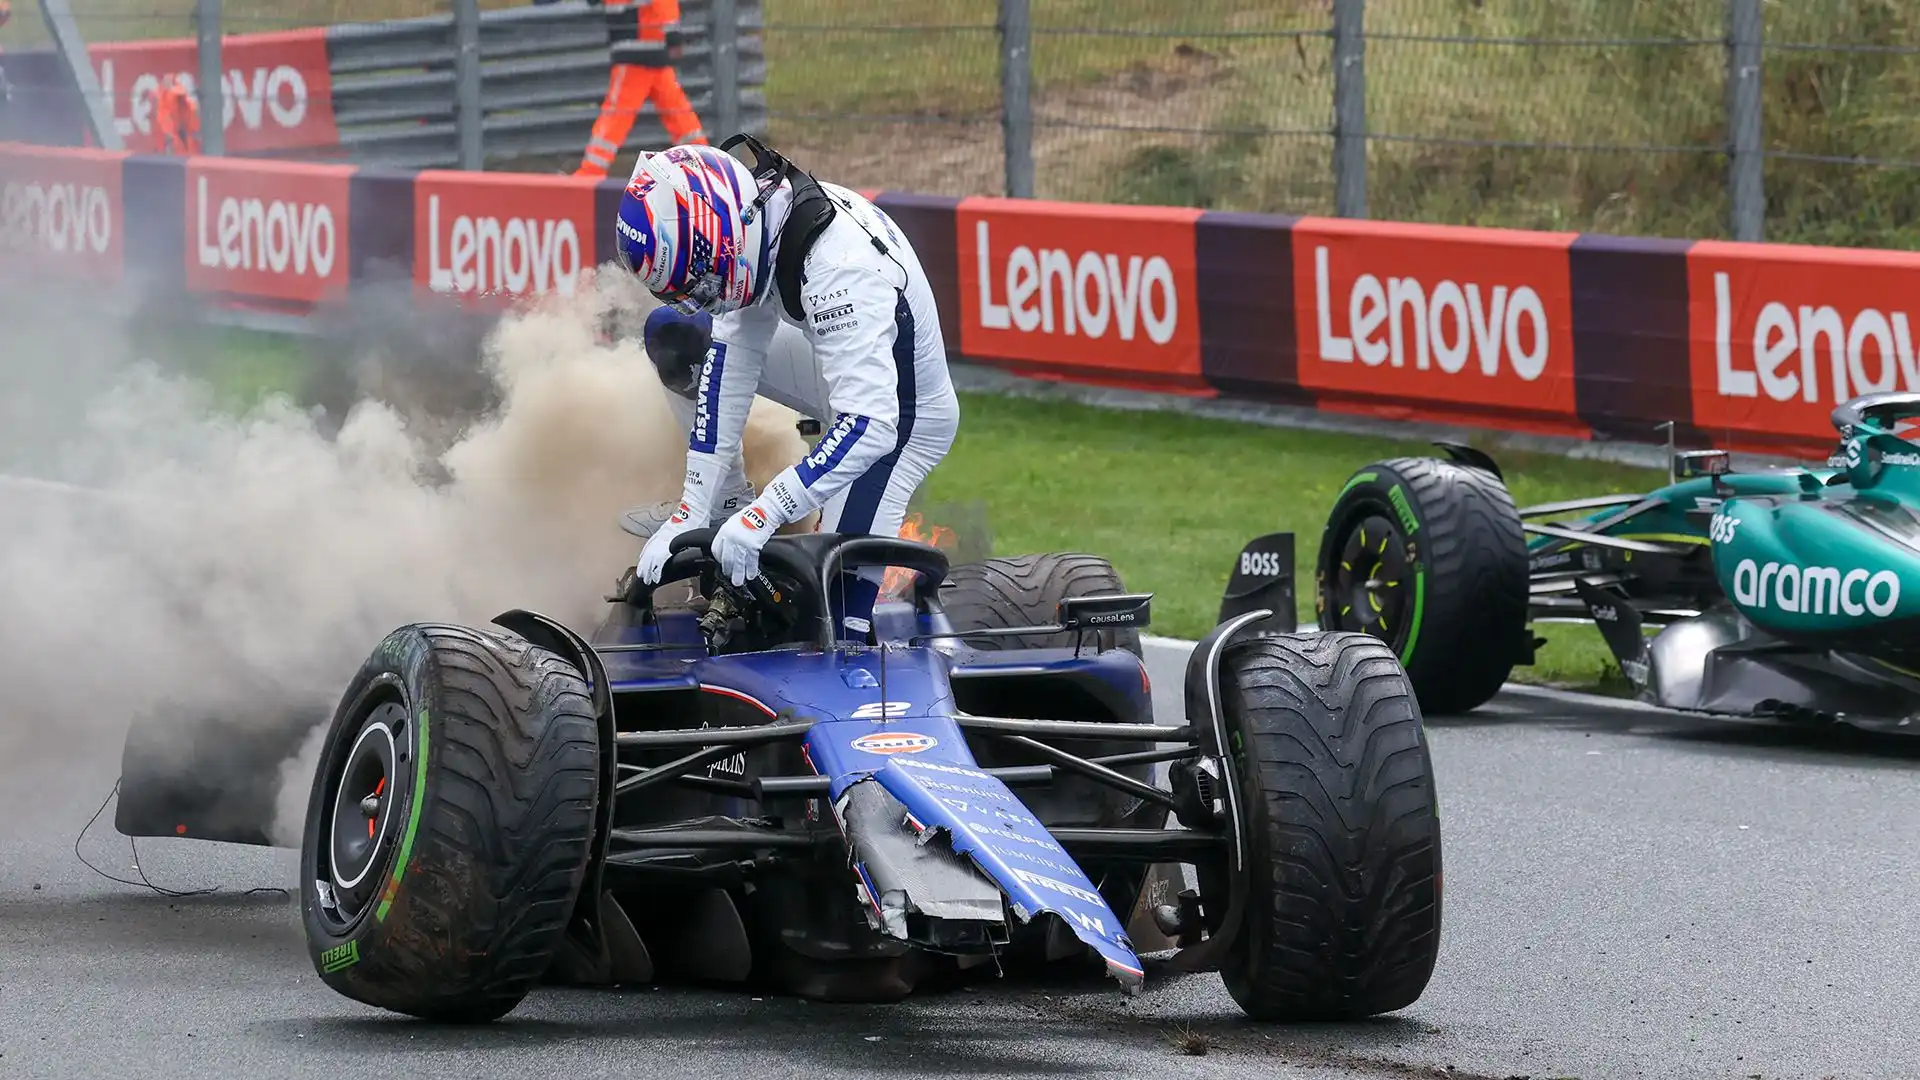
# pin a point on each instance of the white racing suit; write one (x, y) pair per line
(866, 358)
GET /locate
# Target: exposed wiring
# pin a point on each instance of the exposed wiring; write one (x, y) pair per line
(144, 882)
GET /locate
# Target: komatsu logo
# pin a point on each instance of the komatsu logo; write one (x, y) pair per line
(1815, 590)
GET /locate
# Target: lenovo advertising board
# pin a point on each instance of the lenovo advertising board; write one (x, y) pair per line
(1436, 322)
(502, 234)
(61, 213)
(1782, 334)
(1103, 293)
(273, 230)
(277, 91)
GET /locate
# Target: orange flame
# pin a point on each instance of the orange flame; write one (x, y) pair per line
(899, 579)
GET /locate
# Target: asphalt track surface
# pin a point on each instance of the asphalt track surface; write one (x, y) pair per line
(1629, 894)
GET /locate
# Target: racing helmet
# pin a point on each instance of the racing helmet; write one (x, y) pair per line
(690, 227)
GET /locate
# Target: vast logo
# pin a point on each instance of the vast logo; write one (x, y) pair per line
(1815, 590)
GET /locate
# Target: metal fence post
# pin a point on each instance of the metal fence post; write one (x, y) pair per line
(1016, 96)
(724, 37)
(78, 68)
(468, 115)
(1746, 187)
(211, 87)
(1350, 108)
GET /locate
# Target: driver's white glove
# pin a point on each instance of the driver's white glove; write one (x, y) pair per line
(653, 557)
(736, 547)
(705, 475)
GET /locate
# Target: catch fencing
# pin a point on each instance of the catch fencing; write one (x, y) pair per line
(1749, 346)
(1726, 119)
(397, 92)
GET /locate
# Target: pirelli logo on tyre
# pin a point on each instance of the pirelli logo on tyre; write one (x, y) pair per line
(1112, 289)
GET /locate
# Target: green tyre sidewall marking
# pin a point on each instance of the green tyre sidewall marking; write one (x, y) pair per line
(1358, 479)
(1419, 609)
(413, 820)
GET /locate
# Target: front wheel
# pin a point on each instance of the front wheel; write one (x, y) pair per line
(1429, 557)
(1341, 828)
(450, 823)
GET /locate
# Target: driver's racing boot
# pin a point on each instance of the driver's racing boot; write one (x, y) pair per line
(644, 521)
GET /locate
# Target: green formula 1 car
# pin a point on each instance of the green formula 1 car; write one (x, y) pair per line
(1784, 593)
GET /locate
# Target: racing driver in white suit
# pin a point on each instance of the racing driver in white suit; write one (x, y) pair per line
(758, 247)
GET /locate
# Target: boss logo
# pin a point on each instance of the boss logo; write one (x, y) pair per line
(1721, 528)
(1261, 564)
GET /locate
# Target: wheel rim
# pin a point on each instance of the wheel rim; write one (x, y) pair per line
(363, 785)
(1371, 587)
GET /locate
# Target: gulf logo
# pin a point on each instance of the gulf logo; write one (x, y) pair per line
(895, 742)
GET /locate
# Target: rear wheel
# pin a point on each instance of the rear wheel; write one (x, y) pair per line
(1341, 826)
(1429, 556)
(450, 823)
(1026, 590)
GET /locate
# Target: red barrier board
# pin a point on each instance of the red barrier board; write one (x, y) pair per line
(501, 233)
(61, 212)
(1782, 334)
(1103, 292)
(1437, 322)
(267, 229)
(277, 90)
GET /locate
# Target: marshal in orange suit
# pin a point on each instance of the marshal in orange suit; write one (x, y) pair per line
(642, 69)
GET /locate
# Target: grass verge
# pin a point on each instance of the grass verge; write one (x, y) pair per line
(1172, 498)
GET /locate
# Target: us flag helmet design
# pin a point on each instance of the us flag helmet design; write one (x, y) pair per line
(684, 231)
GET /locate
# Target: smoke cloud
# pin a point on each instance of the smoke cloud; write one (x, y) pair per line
(162, 555)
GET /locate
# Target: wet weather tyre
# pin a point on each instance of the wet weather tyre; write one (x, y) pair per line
(1429, 556)
(450, 823)
(1026, 590)
(1341, 826)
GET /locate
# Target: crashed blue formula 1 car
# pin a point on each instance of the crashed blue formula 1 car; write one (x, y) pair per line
(715, 789)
